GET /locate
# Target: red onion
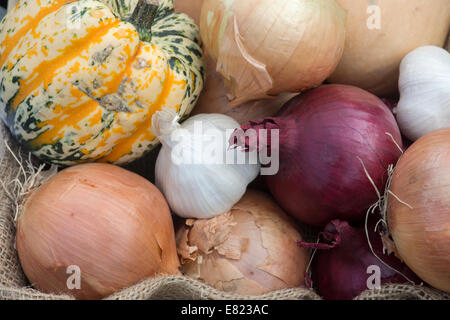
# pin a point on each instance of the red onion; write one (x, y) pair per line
(341, 267)
(329, 136)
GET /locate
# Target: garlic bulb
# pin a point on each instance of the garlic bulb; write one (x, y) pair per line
(424, 85)
(265, 47)
(197, 172)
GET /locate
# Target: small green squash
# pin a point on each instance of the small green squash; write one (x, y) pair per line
(81, 80)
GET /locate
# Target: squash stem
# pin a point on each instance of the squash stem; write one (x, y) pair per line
(143, 16)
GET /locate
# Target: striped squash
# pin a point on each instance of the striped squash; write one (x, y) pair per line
(81, 80)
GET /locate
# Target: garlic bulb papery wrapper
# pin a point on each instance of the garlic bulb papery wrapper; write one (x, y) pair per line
(424, 85)
(195, 169)
(265, 47)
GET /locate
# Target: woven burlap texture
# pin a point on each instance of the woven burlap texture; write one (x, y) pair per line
(14, 285)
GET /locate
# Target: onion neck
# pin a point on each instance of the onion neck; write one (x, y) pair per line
(143, 16)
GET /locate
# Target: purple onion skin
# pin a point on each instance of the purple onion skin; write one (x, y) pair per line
(340, 272)
(322, 133)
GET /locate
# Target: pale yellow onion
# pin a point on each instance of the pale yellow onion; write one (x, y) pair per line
(372, 57)
(112, 224)
(250, 250)
(419, 208)
(190, 7)
(266, 47)
(214, 99)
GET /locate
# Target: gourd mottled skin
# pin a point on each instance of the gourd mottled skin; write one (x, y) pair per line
(78, 83)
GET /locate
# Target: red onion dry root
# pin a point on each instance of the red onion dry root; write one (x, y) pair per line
(331, 139)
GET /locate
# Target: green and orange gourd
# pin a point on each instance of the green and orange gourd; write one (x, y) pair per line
(81, 80)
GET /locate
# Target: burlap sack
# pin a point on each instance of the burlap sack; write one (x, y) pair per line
(14, 285)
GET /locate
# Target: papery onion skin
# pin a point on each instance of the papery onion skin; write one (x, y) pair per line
(250, 250)
(111, 223)
(214, 99)
(342, 267)
(266, 47)
(372, 55)
(326, 135)
(420, 222)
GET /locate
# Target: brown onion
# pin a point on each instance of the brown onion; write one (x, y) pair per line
(112, 224)
(249, 250)
(214, 97)
(419, 208)
(264, 47)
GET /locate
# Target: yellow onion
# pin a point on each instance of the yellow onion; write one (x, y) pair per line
(380, 33)
(249, 250)
(214, 99)
(109, 224)
(264, 47)
(190, 7)
(419, 208)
